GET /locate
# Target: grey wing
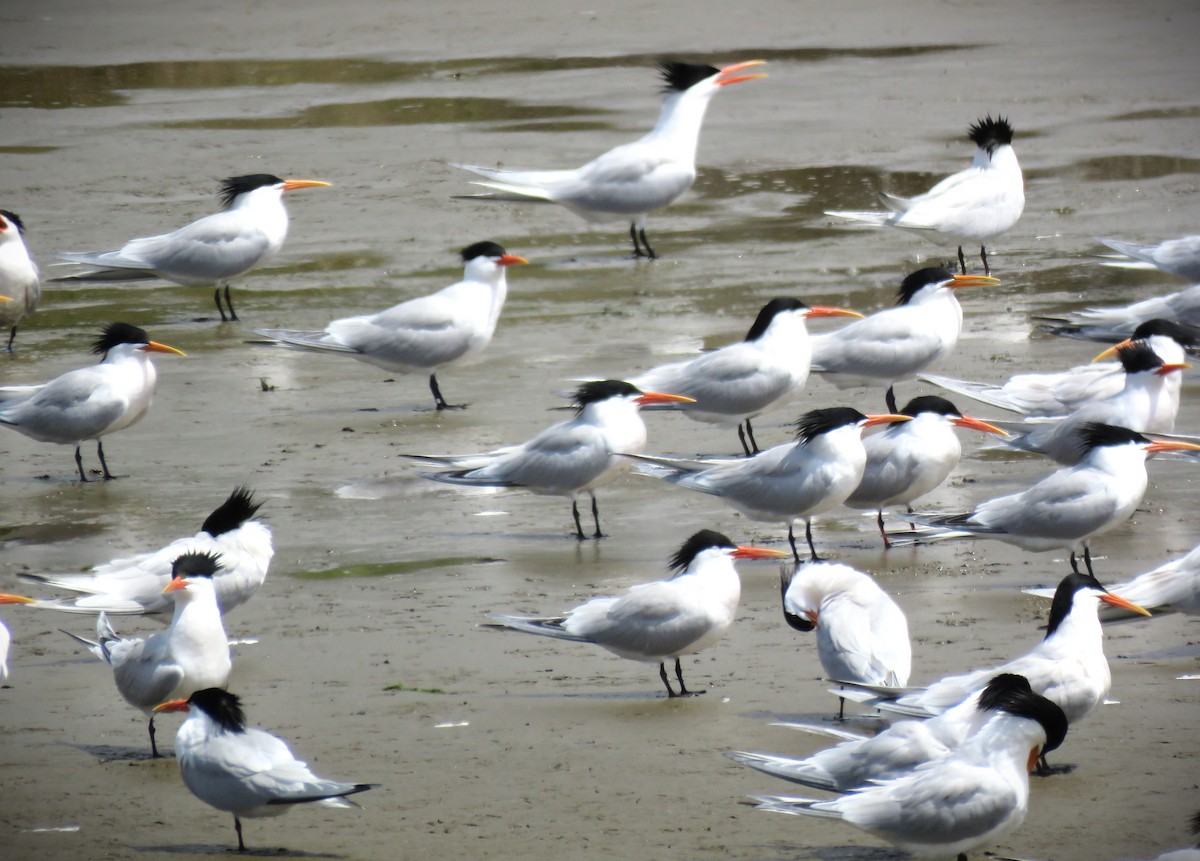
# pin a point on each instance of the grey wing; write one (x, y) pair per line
(650, 620)
(69, 408)
(887, 345)
(423, 333)
(1068, 502)
(144, 675)
(215, 247)
(560, 459)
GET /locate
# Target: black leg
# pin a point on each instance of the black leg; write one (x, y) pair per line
(683, 691)
(1074, 564)
(987, 270)
(662, 674)
(637, 249)
(108, 476)
(887, 545)
(578, 526)
(438, 401)
(12, 336)
(229, 302)
(153, 747)
(742, 439)
(646, 244)
(1087, 559)
(962, 261)
(792, 541)
(808, 535)
(220, 309)
(750, 433)
(79, 464)
(596, 518)
(841, 708)
(890, 400)
(237, 824)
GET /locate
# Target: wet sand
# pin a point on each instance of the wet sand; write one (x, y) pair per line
(118, 123)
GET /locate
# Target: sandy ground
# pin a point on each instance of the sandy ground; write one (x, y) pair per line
(119, 117)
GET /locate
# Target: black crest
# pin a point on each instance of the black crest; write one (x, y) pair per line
(232, 513)
(922, 278)
(481, 249)
(1011, 693)
(817, 422)
(1185, 336)
(1139, 357)
(768, 313)
(195, 565)
(1096, 434)
(224, 708)
(235, 185)
(115, 334)
(930, 404)
(988, 133)
(1064, 595)
(595, 391)
(697, 544)
(678, 77)
(15, 219)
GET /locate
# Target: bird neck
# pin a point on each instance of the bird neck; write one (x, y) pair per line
(680, 120)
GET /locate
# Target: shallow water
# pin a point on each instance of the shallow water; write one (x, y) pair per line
(120, 123)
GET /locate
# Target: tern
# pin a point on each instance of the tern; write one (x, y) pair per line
(637, 178)
(813, 475)
(19, 282)
(977, 204)
(1060, 393)
(907, 460)
(733, 384)
(655, 622)
(244, 771)
(862, 635)
(1175, 256)
(568, 458)
(1069, 507)
(134, 584)
(897, 343)
(861, 760)
(1148, 403)
(1068, 666)
(89, 403)
(191, 655)
(426, 333)
(5, 636)
(1110, 324)
(966, 799)
(248, 230)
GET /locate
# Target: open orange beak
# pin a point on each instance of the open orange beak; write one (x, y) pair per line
(1124, 603)
(886, 419)
(972, 281)
(825, 311)
(737, 67)
(648, 398)
(5, 598)
(510, 260)
(1171, 445)
(175, 585)
(758, 553)
(172, 706)
(155, 347)
(293, 184)
(977, 424)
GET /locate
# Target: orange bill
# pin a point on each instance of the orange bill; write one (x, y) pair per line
(648, 398)
(1124, 603)
(886, 419)
(293, 184)
(977, 424)
(737, 67)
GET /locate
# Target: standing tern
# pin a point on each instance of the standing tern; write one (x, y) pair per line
(977, 204)
(245, 771)
(897, 343)
(192, 654)
(19, 282)
(135, 584)
(248, 230)
(737, 382)
(1068, 666)
(861, 760)
(637, 178)
(1067, 508)
(862, 635)
(426, 333)
(966, 799)
(89, 403)
(655, 622)
(1148, 403)
(1109, 324)
(907, 460)
(813, 475)
(1060, 393)
(1175, 256)
(5, 636)
(568, 458)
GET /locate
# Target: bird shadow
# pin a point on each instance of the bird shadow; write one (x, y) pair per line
(114, 753)
(207, 849)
